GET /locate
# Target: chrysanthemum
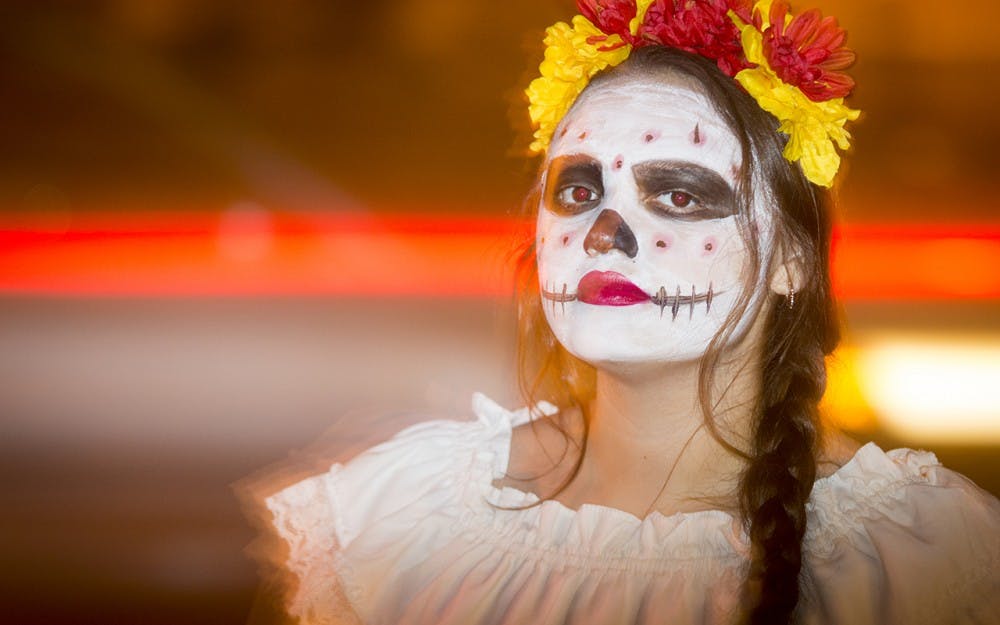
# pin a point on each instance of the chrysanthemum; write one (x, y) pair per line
(699, 26)
(807, 51)
(611, 16)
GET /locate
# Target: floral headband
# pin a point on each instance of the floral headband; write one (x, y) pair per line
(792, 66)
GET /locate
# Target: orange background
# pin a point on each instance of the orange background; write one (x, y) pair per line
(226, 225)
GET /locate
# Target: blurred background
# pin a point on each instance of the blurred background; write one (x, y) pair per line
(226, 226)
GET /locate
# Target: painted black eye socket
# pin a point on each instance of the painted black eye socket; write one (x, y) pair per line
(684, 191)
(575, 184)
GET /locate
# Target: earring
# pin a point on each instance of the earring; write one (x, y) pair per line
(791, 294)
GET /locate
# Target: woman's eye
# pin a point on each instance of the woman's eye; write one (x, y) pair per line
(577, 195)
(677, 199)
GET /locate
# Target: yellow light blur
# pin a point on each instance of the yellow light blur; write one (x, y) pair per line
(941, 389)
(844, 404)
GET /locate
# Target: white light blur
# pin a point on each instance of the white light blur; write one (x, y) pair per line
(934, 389)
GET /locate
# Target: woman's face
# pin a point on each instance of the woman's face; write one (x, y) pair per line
(639, 254)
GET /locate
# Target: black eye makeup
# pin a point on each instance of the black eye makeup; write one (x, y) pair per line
(684, 190)
(574, 184)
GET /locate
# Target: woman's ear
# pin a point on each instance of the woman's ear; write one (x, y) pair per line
(788, 275)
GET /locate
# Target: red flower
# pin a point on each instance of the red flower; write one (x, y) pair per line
(611, 16)
(808, 53)
(743, 9)
(699, 26)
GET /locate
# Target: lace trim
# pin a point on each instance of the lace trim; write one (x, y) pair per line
(303, 519)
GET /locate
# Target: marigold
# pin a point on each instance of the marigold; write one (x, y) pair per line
(573, 54)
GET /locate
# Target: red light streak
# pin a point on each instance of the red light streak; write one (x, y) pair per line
(205, 254)
(917, 262)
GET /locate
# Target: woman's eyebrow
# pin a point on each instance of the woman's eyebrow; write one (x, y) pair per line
(573, 168)
(656, 177)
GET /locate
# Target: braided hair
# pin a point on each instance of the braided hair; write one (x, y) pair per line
(780, 461)
(776, 484)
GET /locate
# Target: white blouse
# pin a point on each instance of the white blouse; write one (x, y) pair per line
(413, 531)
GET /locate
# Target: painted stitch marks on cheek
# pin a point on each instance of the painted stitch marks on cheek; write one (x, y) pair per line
(556, 247)
(677, 299)
(558, 297)
(689, 253)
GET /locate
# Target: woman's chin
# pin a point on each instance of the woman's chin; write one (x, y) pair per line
(617, 357)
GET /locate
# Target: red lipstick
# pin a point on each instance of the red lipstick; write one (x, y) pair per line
(609, 288)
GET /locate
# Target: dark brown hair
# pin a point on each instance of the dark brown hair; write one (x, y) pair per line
(780, 463)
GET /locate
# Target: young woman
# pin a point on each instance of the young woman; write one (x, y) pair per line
(675, 312)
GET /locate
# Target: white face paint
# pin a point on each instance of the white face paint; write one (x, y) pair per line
(639, 254)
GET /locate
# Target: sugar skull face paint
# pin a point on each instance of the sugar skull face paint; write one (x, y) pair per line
(640, 257)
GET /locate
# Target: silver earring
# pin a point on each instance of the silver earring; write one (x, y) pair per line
(791, 295)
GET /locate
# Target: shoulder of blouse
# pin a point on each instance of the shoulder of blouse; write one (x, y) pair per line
(896, 537)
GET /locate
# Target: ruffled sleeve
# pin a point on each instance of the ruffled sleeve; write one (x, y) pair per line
(304, 518)
(897, 538)
(349, 530)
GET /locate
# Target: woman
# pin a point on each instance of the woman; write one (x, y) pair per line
(675, 309)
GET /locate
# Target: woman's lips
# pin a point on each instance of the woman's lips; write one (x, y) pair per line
(609, 288)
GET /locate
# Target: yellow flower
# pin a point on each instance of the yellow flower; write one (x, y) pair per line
(573, 54)
(641, 6)
(813, 128)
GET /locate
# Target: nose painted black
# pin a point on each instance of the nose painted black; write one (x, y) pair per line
(610, 232)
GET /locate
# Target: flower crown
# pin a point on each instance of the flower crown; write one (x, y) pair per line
(792, 66)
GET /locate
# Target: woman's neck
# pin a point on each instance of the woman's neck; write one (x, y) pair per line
(648, 447)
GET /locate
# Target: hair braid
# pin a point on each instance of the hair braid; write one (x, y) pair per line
(779, 478)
